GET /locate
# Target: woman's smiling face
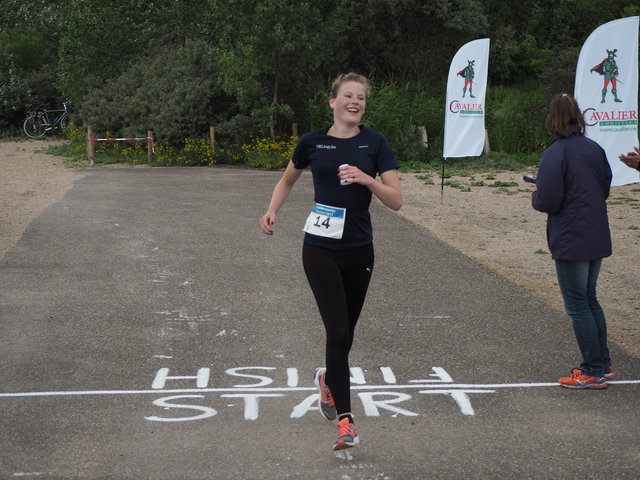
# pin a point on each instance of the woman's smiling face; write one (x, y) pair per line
(349, 104)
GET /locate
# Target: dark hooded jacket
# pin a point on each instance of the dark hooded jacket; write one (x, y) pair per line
(573, 184)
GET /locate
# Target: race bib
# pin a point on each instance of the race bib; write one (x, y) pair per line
(326, 221)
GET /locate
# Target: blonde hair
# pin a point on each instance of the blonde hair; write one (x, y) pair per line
(564, 111)
(349, 77)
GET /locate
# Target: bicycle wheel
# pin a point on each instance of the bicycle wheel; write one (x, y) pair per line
(33, 126)
(62, 124)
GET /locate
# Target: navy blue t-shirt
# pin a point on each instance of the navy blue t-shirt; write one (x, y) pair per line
(370, 152)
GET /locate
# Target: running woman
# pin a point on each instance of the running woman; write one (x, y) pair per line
(337, 252)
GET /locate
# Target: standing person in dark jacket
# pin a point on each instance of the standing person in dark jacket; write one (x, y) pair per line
(572, 187)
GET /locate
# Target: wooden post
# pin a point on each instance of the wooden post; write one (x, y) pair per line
(424, 141)
(91, 147)
(212, 137)
(294, 130)
(486, 148)
(149, 147)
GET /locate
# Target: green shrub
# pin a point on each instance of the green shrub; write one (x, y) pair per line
(237, 130)
(269, 153)
(176, 93)
(193, 152)
(77, 139)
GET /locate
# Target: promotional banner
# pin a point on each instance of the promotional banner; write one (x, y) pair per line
(464, 131)
(607, 91)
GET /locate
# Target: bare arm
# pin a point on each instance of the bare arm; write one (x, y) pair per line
(279, 196)
(387, 190)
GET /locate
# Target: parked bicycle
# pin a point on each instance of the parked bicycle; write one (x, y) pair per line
(42, 122)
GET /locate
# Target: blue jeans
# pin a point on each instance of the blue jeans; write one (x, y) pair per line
(577, 282)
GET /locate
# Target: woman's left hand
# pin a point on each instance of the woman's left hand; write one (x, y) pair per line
(352, 174)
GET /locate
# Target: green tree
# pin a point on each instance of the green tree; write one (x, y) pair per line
(28, 60)
(98, 39)
(540, 41)
(411, 40)
(271, 54)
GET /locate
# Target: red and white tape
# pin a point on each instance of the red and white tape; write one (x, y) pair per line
(118, 139)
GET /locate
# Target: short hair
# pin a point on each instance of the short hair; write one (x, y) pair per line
(564, 111)
(349, 77)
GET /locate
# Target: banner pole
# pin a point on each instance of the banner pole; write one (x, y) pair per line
(442, 181)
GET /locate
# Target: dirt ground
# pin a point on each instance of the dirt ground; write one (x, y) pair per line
(487, 217)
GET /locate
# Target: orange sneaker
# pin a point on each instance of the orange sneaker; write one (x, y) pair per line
(578, 380)
(326, 405)
(347, 435)
(608, 373)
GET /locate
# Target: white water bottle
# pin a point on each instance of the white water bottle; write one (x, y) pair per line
(344, 182)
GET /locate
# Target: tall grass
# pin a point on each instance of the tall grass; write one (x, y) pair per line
(515, 119)
(399, 111)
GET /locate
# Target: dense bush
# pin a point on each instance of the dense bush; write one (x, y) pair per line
(237, 130)
(175, 93)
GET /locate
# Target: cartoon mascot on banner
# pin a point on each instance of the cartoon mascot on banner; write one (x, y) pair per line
(609, 69)
(468, 74)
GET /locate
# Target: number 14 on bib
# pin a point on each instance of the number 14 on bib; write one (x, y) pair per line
(326, 221)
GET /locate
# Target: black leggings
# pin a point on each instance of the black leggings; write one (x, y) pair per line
(339, 280)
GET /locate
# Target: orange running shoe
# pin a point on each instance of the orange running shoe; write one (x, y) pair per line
(579, 380)
(347, 435)
(326, 405)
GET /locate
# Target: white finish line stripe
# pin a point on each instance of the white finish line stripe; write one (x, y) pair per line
(442, 387)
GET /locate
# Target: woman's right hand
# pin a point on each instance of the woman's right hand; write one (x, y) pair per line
(267, 222)
(280, 194)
